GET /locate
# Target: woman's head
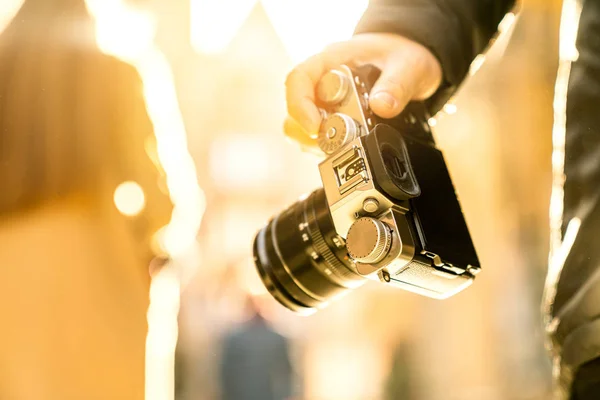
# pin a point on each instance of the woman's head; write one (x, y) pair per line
(73, 121)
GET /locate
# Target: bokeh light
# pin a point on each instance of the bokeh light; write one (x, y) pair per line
(129, 198)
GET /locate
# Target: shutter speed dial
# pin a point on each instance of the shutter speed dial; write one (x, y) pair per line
(369, 240)
(333, 88)
(336, 131)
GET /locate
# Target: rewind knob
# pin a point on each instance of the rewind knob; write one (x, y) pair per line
(369, 240)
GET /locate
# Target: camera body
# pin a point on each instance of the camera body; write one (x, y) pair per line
(389, 193)
(387, 211)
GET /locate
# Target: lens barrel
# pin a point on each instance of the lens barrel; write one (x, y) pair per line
(301, 260)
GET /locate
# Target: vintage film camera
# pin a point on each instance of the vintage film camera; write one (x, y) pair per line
(387, 211)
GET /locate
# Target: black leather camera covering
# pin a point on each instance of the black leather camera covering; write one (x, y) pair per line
(390, 163)
(439, 223)
(437, 213)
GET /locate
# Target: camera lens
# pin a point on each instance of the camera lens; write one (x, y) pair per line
(301, 260)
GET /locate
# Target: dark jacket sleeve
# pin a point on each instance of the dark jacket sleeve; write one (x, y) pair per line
(456, 31)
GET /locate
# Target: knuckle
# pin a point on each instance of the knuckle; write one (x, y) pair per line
(294, 111)
(287, 132)
(335, 47)
(421, 64)
(396, 84)
(294, 105)
(288, 124)
(291, 77)
(303, 69)
(291, 128)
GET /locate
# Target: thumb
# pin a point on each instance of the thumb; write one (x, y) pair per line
(400, 82)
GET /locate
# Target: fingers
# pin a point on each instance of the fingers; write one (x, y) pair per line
(300, 96)
(409, 71)
(297, 135)
(394, 88)
(301, 82)
(296, 132)
(407, 75)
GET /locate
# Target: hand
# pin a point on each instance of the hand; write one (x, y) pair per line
(409, 71)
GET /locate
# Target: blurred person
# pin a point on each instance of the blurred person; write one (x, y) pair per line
(398, 384)
(74, 279)
(255, 364)
(424, 49)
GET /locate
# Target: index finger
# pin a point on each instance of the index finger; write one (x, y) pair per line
(300, 84)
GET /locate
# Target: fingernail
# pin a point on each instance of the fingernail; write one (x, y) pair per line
(386, 99)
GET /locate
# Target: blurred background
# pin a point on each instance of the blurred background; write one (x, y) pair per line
(212, 78)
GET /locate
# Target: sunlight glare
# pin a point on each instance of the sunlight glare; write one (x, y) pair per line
(128, 34)
(306, 27)
(214, 23)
